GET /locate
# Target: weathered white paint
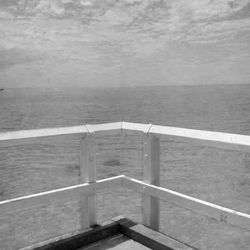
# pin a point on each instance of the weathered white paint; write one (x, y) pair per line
(88, 175)
(217, 139)
(136, 127)
(203, 207)
(28, 134)
(151, 175)
(105, 127)
(67, 193)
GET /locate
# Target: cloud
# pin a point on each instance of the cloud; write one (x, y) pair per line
(219, 30)
(205, 9)
(131, 2)
(6, 15)
(144, 41)
(12, 56)
(52, 7)
(194, 19)
(190, 20)
(86, 3)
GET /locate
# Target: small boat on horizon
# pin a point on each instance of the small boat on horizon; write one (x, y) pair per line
(1, 89)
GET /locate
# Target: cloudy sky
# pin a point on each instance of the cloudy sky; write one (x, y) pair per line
(78, 43)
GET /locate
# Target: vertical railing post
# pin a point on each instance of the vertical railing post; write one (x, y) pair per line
(88, 175)
(151, 175)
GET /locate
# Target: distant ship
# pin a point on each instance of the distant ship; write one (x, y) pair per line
(1, 89)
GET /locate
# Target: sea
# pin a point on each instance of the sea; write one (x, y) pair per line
(221, 176)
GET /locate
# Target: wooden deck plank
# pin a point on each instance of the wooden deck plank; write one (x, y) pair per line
(119, 233)
(148, 237)
(80, 240)
(116, 242)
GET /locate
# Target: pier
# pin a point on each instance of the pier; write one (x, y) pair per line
(149, 187)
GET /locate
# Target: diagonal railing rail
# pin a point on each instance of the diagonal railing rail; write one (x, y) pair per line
(149, 187)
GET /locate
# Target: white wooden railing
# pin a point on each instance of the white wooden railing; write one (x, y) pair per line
(149, 187)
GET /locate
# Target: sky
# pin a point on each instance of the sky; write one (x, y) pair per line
(120, 43)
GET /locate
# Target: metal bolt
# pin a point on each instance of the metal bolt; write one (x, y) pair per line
(221, 217)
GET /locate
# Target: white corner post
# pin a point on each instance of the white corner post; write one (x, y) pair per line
(151, 175)
(88, 175)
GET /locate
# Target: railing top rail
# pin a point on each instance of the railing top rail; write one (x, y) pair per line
(243, 140)
(35, 133)
(225, 138)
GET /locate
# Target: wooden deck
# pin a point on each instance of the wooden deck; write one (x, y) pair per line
(117, 242)
(118, 233)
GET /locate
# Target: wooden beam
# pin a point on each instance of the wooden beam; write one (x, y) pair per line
(80, 239)
(148, 237)
(151, 175)
(220, 213)
(88, 175)
(210, 138)
(136, 127)
(35, 133)
(67, 193)
(114, 227)
(107, 128)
